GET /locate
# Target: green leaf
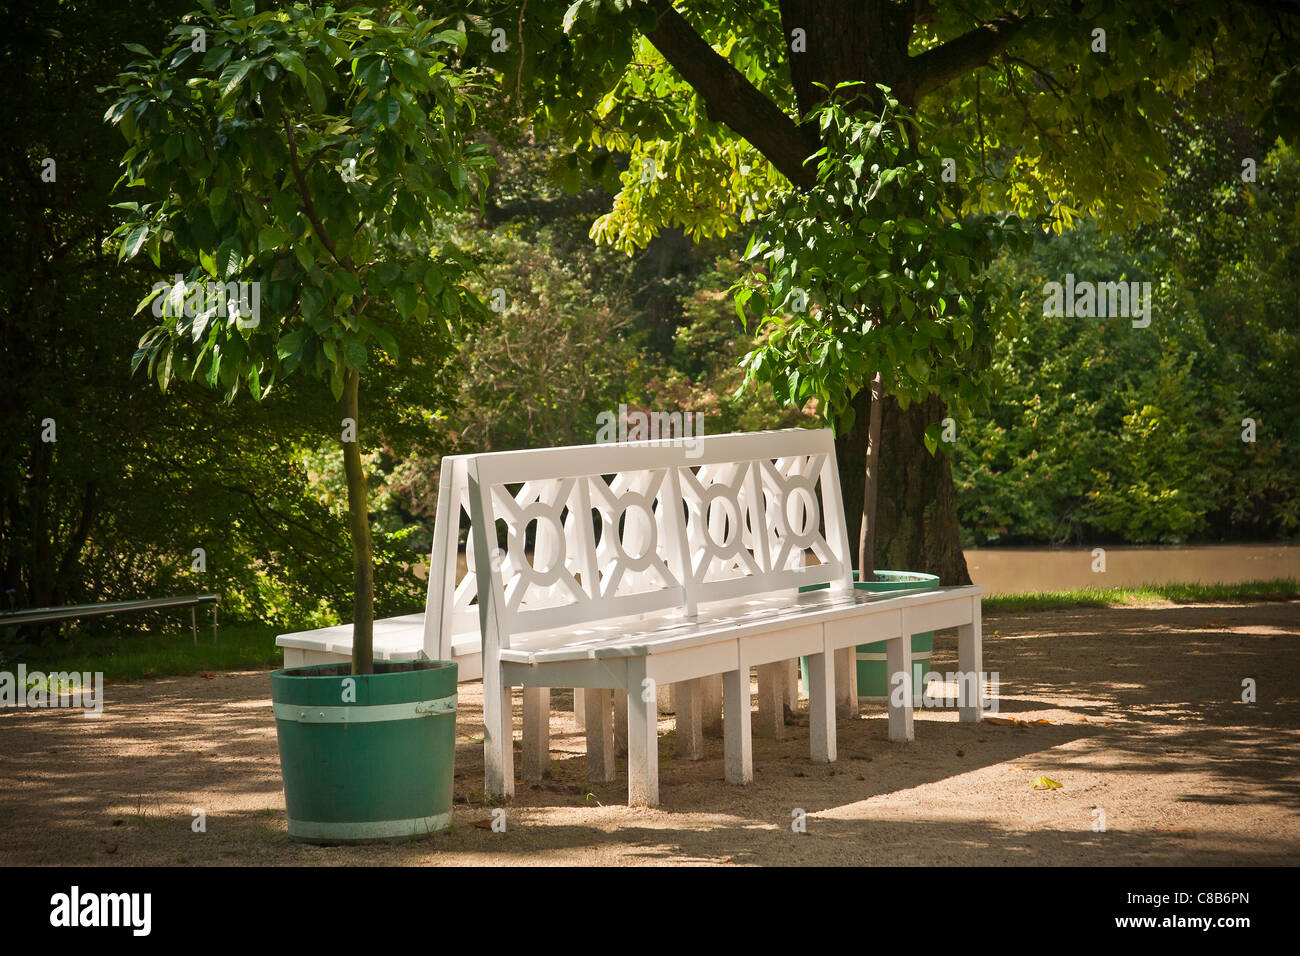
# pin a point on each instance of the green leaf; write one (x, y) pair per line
(347, 282)
(455, 37)
(233, 75)
(571, 14)
(228, 258)
(404, 297)
(270, 237)
(135, 241)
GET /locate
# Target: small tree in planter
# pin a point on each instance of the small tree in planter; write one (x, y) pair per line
(292, 156)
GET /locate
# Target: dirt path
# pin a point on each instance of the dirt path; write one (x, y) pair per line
(1145, 723)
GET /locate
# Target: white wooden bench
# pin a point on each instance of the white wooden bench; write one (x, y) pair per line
(645, 563)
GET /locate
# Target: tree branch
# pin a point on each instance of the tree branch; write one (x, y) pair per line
(962, 54)
(730, 98)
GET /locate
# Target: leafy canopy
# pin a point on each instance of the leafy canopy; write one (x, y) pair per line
(871, 270)
(307, 150)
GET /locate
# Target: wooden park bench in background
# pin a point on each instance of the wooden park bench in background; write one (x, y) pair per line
(41, 615)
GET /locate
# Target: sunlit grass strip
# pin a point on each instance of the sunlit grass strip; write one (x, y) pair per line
(1278, 589)
(239, 647)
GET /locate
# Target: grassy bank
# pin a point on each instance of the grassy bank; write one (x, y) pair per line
(159, 654)
(1281, 589)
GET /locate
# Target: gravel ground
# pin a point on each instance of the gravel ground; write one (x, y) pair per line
(1136, 712)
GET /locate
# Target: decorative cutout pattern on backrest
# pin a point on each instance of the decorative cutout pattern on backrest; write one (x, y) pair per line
(596, 532)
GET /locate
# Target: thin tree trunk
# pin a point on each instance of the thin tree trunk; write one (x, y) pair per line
(870, 486)
(363, 580)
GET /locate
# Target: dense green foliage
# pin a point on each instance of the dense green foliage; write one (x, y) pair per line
(1103, 431)
(871, 270)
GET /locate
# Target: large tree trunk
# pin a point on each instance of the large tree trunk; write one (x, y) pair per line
(916, 511)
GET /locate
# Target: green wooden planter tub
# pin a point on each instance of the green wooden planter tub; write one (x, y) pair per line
(369, 757)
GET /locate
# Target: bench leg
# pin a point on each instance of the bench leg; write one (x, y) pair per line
(821, 706)
(735, 715)
(498, 742)
(771, 692)
(846, 682)
(620, 721)
(970, 661)
(690, 728)
(642, 740)
(898, 661)
(600, 734)
(711, 705)
(792, 684)
(579, 709)
(537, 731)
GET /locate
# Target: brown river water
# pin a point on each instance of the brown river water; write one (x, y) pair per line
(1012, 570)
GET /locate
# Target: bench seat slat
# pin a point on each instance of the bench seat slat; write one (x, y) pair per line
(756, 615)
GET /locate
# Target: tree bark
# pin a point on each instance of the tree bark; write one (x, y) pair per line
(916, 520)
(363, 582)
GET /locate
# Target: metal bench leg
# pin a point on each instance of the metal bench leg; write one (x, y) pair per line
(735, 715)
(194, 623)
(970, 661)
(214, 624)
(688, 696)
(599, 703)
(642, 740)
(771, 692)
(498, 742)
(898, 660)
(821, 706)
(537, 731)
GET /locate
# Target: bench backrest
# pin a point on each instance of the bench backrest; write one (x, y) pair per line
(593, 532)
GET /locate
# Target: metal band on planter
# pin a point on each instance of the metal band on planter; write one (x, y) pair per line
(365, 715)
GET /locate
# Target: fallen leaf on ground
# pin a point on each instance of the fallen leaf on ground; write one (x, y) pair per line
(1043, 720)
(111, 849)
(1002, 721)
(1183, 831)
(1046, 783)
(209, 676)
(484, 824)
